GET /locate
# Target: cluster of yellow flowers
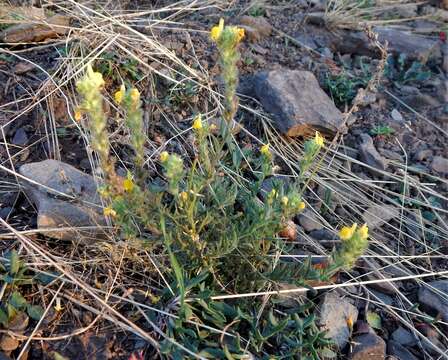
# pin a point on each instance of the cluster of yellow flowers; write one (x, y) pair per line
(217, 31)
(346, 233)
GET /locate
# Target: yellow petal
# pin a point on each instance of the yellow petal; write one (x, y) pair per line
(319, 140)
(197, 123)
(265, 150)
(135, 95)
(78, 115)
(128, 185)
(164, 156)
(285, 200)
(346, 232)
(363, 232)
(119, 95)
(301, 205)
(216, 31)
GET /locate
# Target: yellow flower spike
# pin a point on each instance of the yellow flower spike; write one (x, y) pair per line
(109, 212)
(273, 193)
(301, 205)
(265, 150)
(164, 156)
(216, 31)
(135, 95)
(285, 200)
(119, 95)
(363, 232)
(95, 78)
(78, 115)
(197, 122)
(319, 140)
(128, 185)
(346, 232)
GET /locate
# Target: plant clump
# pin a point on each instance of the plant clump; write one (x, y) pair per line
(217, 232)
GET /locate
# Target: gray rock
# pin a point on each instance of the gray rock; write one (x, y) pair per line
(255, 27)
(333, 313)
(381, 297)
(436, 299)
(297, 102)
(5, 212)
(81, 207)
(424, 154)
(377, 215)
(323, 234)
(396, 116)
(403, 337)
(368, 347)
(20, 137)
(369, 154)
(309, 221)
(440, 165)
(412, 45)
(399, 351)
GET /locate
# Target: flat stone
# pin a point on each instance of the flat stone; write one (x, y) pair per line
(255, 27)
(34, 31)
(20, 137)
(403, 337)
(396, 116)
(368, 347)
(377, 215)
(436, 299)
(399, 351)
(297, 102)
(414, 46)
(440, 165)
(309, 221)
(424, 154)
(333, 314)
(81, 209)
(369, 154)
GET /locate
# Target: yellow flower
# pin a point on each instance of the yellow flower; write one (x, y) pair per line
(319, 140)
(301, 205)
(58, 307)
(135, 95)
(240, 34)
(197, 122)
(363, 232)
(285, 200)
(265, 150)
(109, 212)
(347, 232)
(119, 95)
(216, 31)
(164, 156)
(128, 185)
(95, 78)
(183, 196)
(78, 115)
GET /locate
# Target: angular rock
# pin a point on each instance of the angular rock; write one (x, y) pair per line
(399, 351)
(368, 347)
(423, 154)
(309, 221)
(377, 215)
(436, 299)
(369, 154)
(20, 137)
(440, 165)
(80, 209)
(333, 314)
(33, 32)
(403, 337)
(396, 115)
(297, 102)
(255, 27)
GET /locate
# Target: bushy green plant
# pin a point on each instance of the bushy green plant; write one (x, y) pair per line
(206, 222)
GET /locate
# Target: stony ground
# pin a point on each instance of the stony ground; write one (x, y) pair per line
(373, 79)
